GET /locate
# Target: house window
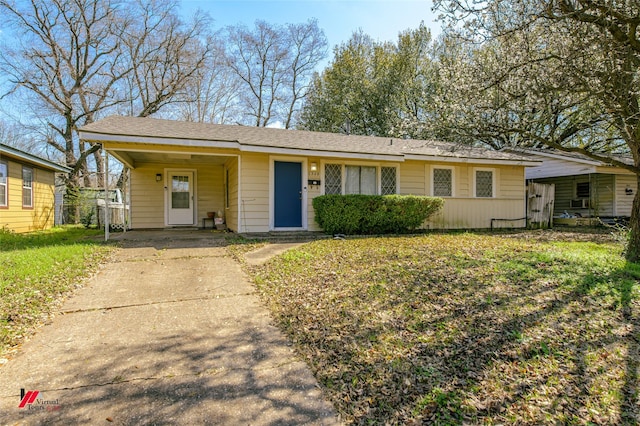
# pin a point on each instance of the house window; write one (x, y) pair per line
(27, 187)
(583, 190)
(361, 180)
(332, 179)
(442, 182)
(484, 183)
(387, 180)
(4, 184)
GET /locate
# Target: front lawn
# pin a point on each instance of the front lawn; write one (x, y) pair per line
(464, 328)
(37, 270)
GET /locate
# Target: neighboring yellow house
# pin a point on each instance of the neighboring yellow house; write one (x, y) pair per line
(27, 187)
(263, 179)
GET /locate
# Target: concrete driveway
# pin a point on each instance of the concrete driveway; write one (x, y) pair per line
(170, 332)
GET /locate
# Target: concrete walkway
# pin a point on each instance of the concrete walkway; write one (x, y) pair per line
(171, 332)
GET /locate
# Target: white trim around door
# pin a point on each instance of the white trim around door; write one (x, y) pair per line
(180, 197)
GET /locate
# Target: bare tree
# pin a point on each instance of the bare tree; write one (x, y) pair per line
(212, 95)
(164, 55)
(78, 60)
(307, 46)
(67, 58)
(274, 65)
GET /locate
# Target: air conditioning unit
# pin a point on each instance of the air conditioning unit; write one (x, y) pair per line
(580, 204)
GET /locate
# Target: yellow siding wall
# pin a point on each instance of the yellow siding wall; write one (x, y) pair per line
(254, 187)
(250, 191)
(19, 219)
(148, 206)
(231, 211)
(463, 210)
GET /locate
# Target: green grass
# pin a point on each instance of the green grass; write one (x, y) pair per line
(465, 328)
(38, 269)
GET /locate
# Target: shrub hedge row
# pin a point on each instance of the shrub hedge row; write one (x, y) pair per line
(373, 214)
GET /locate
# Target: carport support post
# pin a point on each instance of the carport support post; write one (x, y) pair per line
(106, 195)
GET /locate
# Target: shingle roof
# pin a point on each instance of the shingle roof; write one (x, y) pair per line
(283, 138)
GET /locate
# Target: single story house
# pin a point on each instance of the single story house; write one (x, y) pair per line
(264, 179)
(585, 187)
(27, 190)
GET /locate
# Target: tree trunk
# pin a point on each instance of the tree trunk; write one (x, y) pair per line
(100, 167)
(633, 246)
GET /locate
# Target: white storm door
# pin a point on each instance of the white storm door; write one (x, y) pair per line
(180, 198)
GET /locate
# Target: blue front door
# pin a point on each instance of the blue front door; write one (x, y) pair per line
(287, 205)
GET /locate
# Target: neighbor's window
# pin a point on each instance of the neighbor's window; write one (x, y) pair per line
(27, 187)
(387, 180)
(361, 180)
(583, 190)
(4, 184)
(484, 183)
(333, 179)
(442, 182)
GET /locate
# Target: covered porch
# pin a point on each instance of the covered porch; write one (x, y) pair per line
(179, 187)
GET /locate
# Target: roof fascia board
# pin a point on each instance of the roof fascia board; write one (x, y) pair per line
(566, 158)
(319, 153)
(162, 151)
(99, 137)
(527, 163)
(16, 153)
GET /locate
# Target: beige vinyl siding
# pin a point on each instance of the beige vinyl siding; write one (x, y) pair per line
(231, 212)
(254, 187)
(148, 196)
(462, 210)
(210, 190)
(558, 167)
(602, 193)
(476, 213)
(624, 201)
(18, 218)
(312, 192)
(512, 182)
(413, 179)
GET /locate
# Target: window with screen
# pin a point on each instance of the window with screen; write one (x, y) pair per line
(333, 179)
(442, 182)
(484, 183)
(388, 180)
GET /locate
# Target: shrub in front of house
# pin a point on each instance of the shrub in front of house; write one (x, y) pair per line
(373, 214)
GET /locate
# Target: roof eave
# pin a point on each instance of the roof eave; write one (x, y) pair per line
(32, 159)
(473, 160)
(322, 153)
(198, 143)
